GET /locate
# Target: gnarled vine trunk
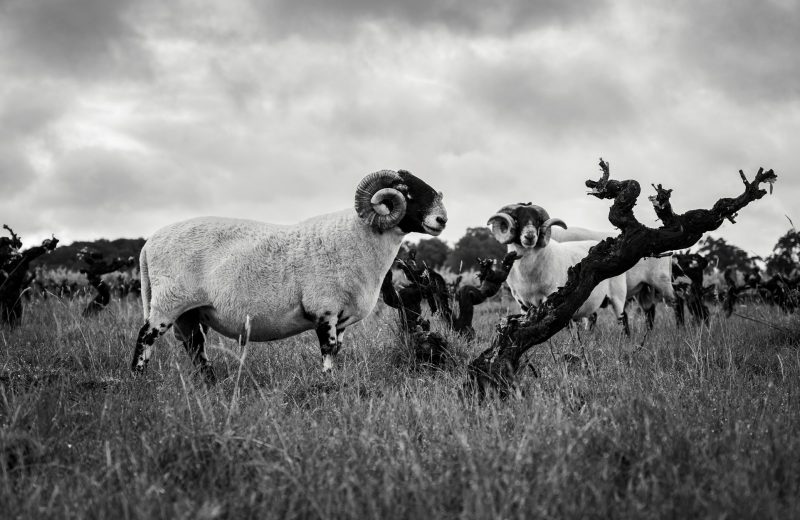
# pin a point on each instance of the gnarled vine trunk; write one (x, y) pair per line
(14, 276)
(97, 267)
(496, 367)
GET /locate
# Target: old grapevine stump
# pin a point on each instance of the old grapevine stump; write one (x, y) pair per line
(14, 273)
(97, 266)
(496, 367)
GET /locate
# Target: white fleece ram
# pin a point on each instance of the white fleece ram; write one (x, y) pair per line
(260, 281)
(541, 271)
(655, 273)
(544, 263)
(277, 275)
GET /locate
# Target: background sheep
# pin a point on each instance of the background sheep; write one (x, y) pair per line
(245, 278)
(648, 282)
(543, 265)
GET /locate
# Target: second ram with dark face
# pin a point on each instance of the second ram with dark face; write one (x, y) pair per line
(542, 268)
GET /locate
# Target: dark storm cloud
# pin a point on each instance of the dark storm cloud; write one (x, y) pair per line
(26, 120)
(104, 180)
(547, 98)
(747, 49)
(28, 108)
(75, 38)
(326, 19)
(16, 172)
(274, 110)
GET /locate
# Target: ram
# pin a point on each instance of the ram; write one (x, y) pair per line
(648, 282)
(244, 278)
(543, 264)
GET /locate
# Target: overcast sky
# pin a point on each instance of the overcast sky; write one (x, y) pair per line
(118, 117)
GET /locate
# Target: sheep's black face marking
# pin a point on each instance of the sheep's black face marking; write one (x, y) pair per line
(425, 212)
(528, 222)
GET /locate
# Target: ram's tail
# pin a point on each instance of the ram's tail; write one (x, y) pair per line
(144, 279)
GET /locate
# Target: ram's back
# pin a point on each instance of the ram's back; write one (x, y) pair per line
(655, 272)
(193, 251)
(575, 234)
(278, 276)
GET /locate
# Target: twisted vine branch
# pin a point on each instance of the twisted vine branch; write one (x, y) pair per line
(495, 368)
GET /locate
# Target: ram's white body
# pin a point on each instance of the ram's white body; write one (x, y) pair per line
(542, 270)
(280, 276)
(655, 273)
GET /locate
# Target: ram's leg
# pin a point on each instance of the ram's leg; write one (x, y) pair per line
(192, 333)
(328, 342)
(680, 318)
(650, 316)
(623, 320)
(592, 321)
(339, 338)
(618, 305)
(144, 344)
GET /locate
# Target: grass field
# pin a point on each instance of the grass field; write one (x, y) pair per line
(694, 423)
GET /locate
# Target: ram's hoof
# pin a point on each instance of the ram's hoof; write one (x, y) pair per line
(138, 369)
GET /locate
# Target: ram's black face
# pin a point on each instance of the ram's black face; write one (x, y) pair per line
(528, 221)
(425, 212)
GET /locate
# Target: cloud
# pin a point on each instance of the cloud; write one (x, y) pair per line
(16, 172)
(120, 117)
(747, 49)
(103, 181)
(553, 98)
(26, 123)
(74, 38)
(334, 20)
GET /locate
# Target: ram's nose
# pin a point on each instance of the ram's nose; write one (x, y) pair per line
(441, 221)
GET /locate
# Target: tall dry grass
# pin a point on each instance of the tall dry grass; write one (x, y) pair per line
(701, 422)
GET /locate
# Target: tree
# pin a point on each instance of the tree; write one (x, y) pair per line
(476, 243)
(67, 256)
(785, 257)
(432, 252)
(728, 254)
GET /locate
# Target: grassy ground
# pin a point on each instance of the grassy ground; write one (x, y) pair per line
(696, 423)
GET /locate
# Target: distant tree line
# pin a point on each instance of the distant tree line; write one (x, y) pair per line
(477, 242)
(69, 257)
(784, 260)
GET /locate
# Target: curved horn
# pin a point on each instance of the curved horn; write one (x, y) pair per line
(503, 227)
(389, 208)
(541, 212)
(544, 230)
(377, 203)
